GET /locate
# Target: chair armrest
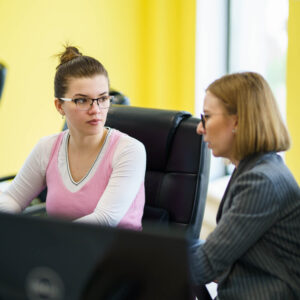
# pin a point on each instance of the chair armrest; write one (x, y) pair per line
(155, 214)
(5, 178)
(35, 210)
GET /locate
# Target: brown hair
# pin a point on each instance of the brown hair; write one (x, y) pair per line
(74, 64)
(260, 127)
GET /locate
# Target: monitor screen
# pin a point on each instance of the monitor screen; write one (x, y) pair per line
(43, 258)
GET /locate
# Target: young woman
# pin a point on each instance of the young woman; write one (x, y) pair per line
(254, 252)
(93, 173)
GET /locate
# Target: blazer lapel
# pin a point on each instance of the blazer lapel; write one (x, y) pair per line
(244, 165)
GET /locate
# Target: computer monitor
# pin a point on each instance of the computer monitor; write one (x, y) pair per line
(43, 258)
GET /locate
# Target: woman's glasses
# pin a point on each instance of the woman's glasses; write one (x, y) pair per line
(85, 103)
(202, 120)
(205, 117)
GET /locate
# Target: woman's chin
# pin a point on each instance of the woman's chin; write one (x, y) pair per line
(215, 153)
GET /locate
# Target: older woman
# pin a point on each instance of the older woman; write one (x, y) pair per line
(254, 252)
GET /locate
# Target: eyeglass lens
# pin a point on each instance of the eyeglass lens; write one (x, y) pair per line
(87, 103)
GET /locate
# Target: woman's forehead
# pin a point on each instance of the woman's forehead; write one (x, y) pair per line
(212, 103)
(84, 85)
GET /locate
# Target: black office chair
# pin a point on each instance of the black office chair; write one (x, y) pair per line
(177, 169)
(178, 163)
(119, 98)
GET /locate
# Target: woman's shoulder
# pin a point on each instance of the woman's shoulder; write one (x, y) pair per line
(128, 152)
(265, 163)
(44, 146)
(48, 141)
(269, 169)
(271, 165)
(127, 141)
(128, 149)
(50, 138)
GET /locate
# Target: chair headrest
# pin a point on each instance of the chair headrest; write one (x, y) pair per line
(155, 128)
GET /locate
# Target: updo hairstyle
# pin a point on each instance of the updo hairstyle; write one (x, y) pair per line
(75, 65)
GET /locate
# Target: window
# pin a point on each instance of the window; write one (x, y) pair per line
(258, 41)
(240, 35)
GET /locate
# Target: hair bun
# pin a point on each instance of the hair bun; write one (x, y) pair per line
(69, 54)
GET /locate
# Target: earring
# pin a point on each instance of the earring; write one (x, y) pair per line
(233, 130)
(62, 116)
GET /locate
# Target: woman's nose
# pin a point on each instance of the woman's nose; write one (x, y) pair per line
(200, 130)
(94, 107)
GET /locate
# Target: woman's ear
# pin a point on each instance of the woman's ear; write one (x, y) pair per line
(235, 121)
(59, 106)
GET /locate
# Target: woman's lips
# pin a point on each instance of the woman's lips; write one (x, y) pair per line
(94, 122)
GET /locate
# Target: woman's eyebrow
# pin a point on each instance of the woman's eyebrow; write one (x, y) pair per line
(82, 95)
(104, 93)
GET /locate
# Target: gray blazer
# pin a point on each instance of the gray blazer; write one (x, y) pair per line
(254, 252)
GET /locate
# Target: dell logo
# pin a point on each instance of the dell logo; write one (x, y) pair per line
(43, 283)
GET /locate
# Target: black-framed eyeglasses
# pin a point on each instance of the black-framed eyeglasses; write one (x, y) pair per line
(85, 103)
(202, 120)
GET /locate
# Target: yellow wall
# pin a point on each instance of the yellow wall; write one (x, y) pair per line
(293, 87)
(146, 45)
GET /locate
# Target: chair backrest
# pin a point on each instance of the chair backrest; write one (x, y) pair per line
(178, 162)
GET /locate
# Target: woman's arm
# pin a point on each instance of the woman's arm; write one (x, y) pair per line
(30, 180)
(129, 164)
(8, 204)
(254, 209)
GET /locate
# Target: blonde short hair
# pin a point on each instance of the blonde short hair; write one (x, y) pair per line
(260, 127)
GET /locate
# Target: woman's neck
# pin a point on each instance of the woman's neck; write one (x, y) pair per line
(86, 144)
(235, 162)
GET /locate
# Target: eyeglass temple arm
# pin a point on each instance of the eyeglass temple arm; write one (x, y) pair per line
(65, 99)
